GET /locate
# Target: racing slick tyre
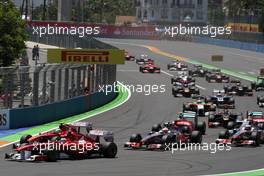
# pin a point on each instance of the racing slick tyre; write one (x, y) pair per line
(197, 91)
(156, 128)
(24, 139)
(253, 85)
(230, 125)
(109, 150)
(201, 126)
(223, 135)
(256, 137)
(168, 139)
(196, 137)
(135, 138)
(211, 118)
(52, 156)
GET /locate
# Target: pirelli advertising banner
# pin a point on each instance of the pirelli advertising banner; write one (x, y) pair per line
(86, 56)
(217, 58)
(4, 119)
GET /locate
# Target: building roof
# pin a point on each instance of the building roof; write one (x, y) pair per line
(121, 20)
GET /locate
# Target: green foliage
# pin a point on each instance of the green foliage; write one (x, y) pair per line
(51, 12)
(12, 33)
(107, 10)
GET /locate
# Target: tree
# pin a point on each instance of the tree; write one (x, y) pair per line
(99, 10)
(51, 15)
(13, 35)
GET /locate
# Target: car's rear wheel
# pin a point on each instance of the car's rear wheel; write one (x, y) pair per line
(201, 126)
(196, 137)
(109, 150)
(156, 128)
(135, 138)
(256, 137)
(223, 135)
(52, 156)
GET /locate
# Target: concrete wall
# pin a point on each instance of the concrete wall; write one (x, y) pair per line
(51, 112)
(231, 44)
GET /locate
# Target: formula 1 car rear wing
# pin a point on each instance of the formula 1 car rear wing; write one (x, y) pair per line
(78, 125)
(257, 114)
(215, 91)
(189, 115)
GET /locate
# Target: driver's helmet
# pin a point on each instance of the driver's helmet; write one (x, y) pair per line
(226, 112)
(238, 84)
(57, 130)
(219, 94)
(89, 127)
(62, 140)
(165, 130)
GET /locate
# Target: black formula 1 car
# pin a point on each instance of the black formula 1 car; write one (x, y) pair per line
(149, 68)
(177, 66)
(260, 101)
(198, 71)
(215, 76)
(238, 89)
(223, 119)
(187, 90)
(221, 100)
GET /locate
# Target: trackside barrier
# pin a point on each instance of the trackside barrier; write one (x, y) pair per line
(31, 116)
(230, 44)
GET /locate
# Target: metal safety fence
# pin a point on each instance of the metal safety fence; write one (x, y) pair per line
(25, 86)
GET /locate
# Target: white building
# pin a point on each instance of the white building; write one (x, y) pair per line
(172, 11)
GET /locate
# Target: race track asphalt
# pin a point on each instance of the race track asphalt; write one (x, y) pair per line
(142, 111)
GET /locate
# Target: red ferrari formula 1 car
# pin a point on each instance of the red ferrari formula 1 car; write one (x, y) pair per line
(149, 68)
(68, 142)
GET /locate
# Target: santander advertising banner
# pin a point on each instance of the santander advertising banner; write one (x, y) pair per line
(146, 32)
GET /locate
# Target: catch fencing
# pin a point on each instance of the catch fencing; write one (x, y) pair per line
(25, 86)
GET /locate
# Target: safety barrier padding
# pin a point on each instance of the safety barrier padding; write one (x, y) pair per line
(33, 116)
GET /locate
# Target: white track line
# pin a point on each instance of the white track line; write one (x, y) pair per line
(127, 70)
